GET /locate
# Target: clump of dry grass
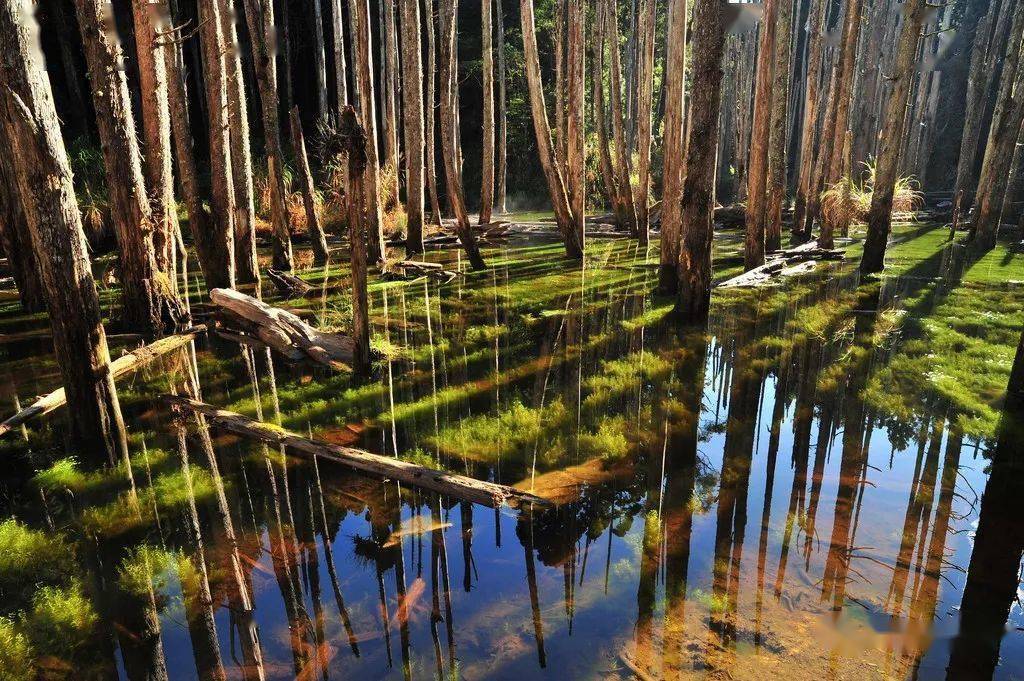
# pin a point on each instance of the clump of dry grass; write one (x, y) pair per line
(848, 201)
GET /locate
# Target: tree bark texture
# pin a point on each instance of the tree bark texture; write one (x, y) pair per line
(487, 161)
(502, 149)
(622, 151)
(643, 115)
(314, 228)
(673, 147)
(412, 123)
(757, 166)
(575, 128)
(777, 142)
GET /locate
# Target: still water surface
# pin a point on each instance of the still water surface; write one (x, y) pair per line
(758, 501)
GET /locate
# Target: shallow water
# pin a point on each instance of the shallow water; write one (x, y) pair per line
(784, 495)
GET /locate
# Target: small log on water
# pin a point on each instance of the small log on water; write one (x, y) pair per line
(783, 264)
(283, 330)
(452, 484)
(287, 283)
(119, 367)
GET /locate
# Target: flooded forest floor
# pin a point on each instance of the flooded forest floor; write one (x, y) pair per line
(793, 491)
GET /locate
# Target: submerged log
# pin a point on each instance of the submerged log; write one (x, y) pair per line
(783, 264)
(283, 330)
(119, 367)
(451, 484)
(287, 283)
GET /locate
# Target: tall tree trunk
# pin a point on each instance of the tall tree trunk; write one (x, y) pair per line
(314, 229)
(1013, 199)
(776, 178)
(600, 113)
(156, 133)
(150, 305)
(644, 122)
(545, 148)
(16, 238)
(241, 153)
(282, 47)
(575, 129)
(430, 107)
(259, 15)
(359, 170)
(559, 49)
(697, 232)
(622, 150)
(359, 15)
(487, 162)
(64, 24)
(222, 188)
(390, 44)
(887, 167)
(340, 62)
(319, 60)
(981, 74)
(412, 125)
(673, 147)
(1007, 118)
(502, 153)
(450, 132)
(43, 177)
(757, 167)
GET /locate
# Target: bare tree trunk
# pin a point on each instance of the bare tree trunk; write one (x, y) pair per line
(313, 227)
(575, 129)
(282, 46)
(559, 48)
(241, 153)
(809, 132)
(487, 162)
(156, 133)
(430, 106)
(222, 188)
(600, 114)
(694, 295)
(1013, 200)
(340, 63)
(622, 151)
(259, 15)
(359, 169)
(757, 167)
(390, 44)
(412, 125)
(776, 170)
(673, 147)
(887, 167)
(545, 148)
(450, 132)
(43, 177)
(359, 15)
(644, 134)
(502, 163)
(980, 77)
(1007, 118)
(150, 304)
(16, 238)
(319, 60)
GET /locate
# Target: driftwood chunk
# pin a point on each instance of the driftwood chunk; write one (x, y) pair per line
(282, 330)
(287, 283)
(451, 484)
(789, 262)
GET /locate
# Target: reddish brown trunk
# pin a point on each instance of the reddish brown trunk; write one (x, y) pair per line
(673, 147)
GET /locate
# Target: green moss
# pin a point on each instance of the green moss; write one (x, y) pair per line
(29, 558)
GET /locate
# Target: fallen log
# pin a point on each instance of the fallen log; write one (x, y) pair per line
(287, 283)
(119, 367)
(282, 330)
(780, 264)
(451, 484)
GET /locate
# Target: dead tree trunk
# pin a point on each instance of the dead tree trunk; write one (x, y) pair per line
(150, 304)
(575, 129)
(809, 127)
(222, 188)
(319, 60)
(694, 295)
(156, 133)
(887, 167)
(412, 125)
(502, 153)
(643, 115)
(244, 221)
(358, 171)
(15, 235)
(487, 162)
(1007, 118)
(545, 147)
(777, 143)
(622, 151)
(43, 177)
(359, 15)
(390, 46)
(600, 113)
(340, 62)
(450, 132)
(757, 167)
(314, 229)
(559, 49)
(259, 15)
(674, 147)
(430, 107)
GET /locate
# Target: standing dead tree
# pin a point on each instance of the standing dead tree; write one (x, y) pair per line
(487, 161)
(673, 147)
(150, 304)
(757, 166)
(412, 123)
(355, 142)
(43, 176)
